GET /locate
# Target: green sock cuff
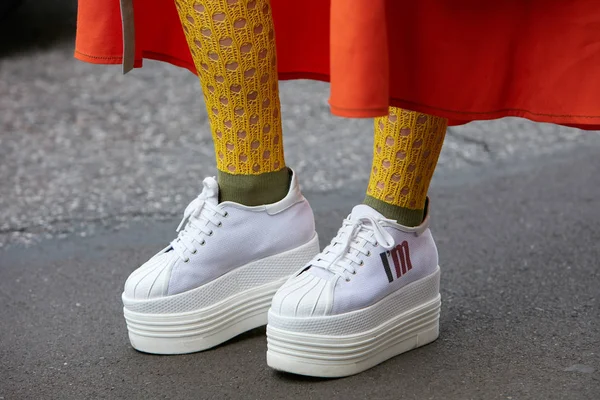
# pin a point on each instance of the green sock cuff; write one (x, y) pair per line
(254, 190)
(404, 216)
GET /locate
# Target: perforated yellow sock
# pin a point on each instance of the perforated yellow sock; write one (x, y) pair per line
(406, 149)
(232, 43)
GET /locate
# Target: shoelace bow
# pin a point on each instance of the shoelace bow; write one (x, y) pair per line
(195, 223)
(344, 252)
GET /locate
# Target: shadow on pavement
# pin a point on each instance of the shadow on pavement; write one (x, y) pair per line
(37, 24)
(256, 332)
(291, 378)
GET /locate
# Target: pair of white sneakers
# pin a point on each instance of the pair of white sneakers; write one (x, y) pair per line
(371, 294)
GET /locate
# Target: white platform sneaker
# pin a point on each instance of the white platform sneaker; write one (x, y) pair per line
(217, 278)
(372, 294)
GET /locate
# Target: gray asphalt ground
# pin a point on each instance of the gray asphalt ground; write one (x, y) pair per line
(96, 168)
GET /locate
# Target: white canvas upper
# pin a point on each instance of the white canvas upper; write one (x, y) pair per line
(216, 238)
(350, 274)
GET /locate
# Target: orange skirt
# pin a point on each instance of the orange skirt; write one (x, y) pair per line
(464, 60)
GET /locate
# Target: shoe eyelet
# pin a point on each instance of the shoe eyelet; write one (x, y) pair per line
(226, 214)
(203, 243)
(369, 253)
(220, 224)
(361, 263)
(347, 280)
(354, 272)
(195, 251)
(376, 244)
(186, 260)
(210, 233)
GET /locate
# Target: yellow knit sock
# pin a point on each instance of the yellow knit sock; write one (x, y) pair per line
(232, 43)
(406, 149)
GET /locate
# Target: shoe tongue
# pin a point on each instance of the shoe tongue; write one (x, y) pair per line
(363, 210)
(210, 190)
(358, 211)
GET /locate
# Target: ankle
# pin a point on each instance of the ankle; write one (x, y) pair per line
(254, 190)
(404, 216)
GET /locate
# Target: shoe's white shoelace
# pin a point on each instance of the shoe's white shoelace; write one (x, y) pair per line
(344, 252)
(198, 217)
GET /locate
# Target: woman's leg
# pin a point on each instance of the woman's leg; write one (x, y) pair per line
(373, 293)
(232, 43)
(406, 149)
(228, 259)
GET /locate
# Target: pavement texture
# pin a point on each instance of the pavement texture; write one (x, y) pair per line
(96, 168)
(519, 254)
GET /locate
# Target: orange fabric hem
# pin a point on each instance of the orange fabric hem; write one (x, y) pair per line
(358, 113)
(97, 59)
(455, 117)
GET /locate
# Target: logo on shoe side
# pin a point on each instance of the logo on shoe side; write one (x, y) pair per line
(400, 257)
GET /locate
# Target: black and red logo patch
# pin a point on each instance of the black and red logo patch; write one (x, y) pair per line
(400, 257)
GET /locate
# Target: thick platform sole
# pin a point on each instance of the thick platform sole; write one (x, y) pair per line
(308, 349)
(200, 326)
